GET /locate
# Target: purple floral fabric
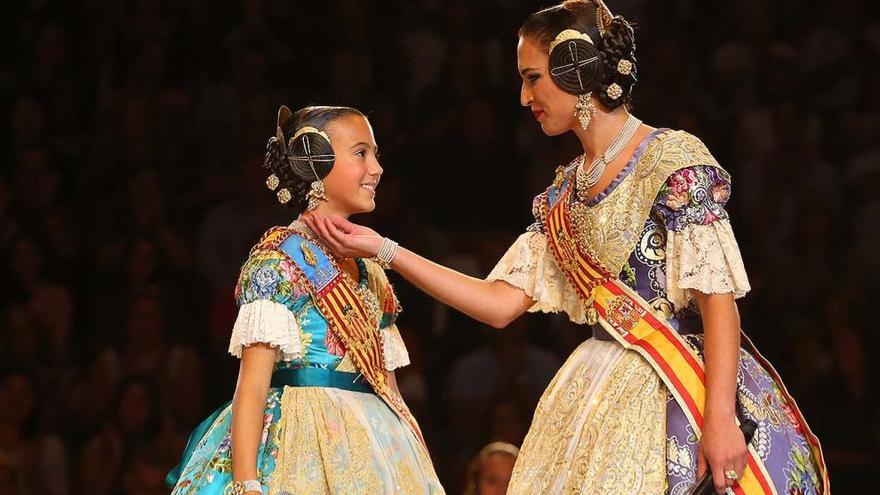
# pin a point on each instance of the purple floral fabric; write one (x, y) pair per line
(694, 195)
(697, 196)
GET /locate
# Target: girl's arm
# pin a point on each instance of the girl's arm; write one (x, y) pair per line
(722, 445)
(248, 406)
(494, 303)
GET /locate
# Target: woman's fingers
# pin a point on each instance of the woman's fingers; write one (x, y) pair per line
(718, 478)
(310, 221)
(741, 466)
(337, 236)
(701, 463)
(333, 238)
(342, 224)
(724, 476)
(346, 247)
(321, 229)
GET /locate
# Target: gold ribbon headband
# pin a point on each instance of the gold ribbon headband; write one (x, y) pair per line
(570, 34)
(310, 130)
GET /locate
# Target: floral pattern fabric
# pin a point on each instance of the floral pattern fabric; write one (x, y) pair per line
(694, 195)
(275, 308)
(686, 244)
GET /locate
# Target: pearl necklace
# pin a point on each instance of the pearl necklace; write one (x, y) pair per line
(588, 178)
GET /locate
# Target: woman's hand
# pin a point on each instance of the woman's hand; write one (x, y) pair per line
(722, 448)
(346, 239)
(495, 303)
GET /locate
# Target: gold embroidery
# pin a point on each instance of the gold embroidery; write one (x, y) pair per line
(544, 451)
(611, 229)
(592, 316)
(347, 365)
(308, 255)
(560, 176)
(621, 447)
(362, 338)
(330, 445)
(622, 312)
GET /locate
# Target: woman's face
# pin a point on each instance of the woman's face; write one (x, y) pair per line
(495, 474)
(552, 107)
(351, 183)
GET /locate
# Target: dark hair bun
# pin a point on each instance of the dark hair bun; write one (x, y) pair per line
(619, 44)
(576, 66)
(310, 149)
(306, 157)
(277, 162)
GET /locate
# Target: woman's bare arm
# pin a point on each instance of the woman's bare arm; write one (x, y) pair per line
(722, 445)
(495, 303)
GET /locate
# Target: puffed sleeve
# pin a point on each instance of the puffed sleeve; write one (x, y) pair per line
(701, 251)
(529, 265)
(267, 289)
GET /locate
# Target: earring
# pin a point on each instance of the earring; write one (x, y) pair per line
(584, 110)
(317, 193)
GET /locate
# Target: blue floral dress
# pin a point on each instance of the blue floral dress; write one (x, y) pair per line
(326, 432)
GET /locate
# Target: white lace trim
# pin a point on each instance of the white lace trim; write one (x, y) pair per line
(267, 322)
(396, 355)
(704, 258)
(529, 265)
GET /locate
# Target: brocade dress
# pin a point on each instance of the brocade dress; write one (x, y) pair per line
(324, 429)
(607, 424)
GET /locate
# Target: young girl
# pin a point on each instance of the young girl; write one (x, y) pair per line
(632, 238)
(316, 408)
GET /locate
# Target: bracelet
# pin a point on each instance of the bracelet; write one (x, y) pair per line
(242, 487)
(386, 253)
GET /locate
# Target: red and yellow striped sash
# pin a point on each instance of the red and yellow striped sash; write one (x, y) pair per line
(349, 320)
(631, 321)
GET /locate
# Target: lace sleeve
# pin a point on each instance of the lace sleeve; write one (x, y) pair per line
(529, 265)
(266, 293)
(701, 250)
(396, 355)
(267, 322)
(704, 258)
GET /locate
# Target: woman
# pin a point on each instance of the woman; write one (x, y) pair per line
(316, 408)
(633, 239)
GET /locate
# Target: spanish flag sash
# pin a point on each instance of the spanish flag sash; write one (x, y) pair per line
(351, 321)
(635, 325)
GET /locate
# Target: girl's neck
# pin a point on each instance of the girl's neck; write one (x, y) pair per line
(326, 209)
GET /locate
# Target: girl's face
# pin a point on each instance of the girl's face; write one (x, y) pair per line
(495, 474)
(351, 183)
(552, 107)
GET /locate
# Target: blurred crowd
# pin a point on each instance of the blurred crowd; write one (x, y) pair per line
(131, 190)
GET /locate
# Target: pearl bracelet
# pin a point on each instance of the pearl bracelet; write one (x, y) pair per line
(386, 253)
(243, 487)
